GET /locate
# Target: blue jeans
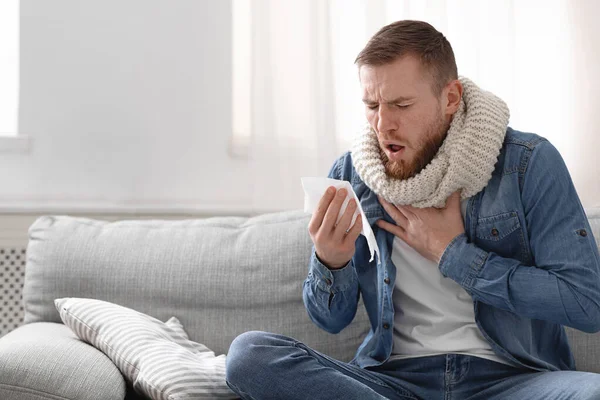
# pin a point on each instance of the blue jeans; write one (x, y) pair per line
(262, 365)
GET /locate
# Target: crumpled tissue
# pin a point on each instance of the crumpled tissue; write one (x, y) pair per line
(315, 187)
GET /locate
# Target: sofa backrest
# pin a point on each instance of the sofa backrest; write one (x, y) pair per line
(220, 276)
(586, 346)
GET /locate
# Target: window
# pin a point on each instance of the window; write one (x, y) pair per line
(9, 67)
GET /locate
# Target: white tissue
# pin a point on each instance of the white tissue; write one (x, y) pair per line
(314, 189)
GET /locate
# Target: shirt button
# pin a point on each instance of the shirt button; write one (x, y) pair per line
(494, 232)
(582, 232)
(386, 326)
(328, 281)
(387, 280)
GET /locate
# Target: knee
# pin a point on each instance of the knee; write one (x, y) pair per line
(589, 386)
(242, 358)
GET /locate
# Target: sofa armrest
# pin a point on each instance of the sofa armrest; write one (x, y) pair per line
(46, 360)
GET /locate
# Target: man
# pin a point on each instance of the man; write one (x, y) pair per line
(486, 251)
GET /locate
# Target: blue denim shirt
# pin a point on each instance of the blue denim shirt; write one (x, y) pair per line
(527, 258)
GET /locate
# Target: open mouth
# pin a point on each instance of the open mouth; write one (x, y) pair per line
(395, 148)
(395, 152)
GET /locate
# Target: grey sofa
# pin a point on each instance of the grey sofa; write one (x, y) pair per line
(220, 276)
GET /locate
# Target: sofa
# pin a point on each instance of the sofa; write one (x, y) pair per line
(219, 276)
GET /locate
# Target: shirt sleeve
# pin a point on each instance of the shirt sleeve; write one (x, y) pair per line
(330, 296)
(563, 285)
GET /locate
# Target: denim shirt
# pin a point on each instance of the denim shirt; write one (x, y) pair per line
(527, 258)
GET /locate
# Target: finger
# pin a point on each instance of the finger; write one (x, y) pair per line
(333, 210)
(396, 214)
(354, 232)
(395, 229)
(319, 214)
(346, 220)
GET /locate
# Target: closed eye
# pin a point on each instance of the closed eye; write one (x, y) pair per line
(375, 106)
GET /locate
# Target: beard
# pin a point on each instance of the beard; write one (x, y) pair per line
(435, 135)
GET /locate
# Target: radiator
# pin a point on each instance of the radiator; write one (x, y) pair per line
(12, 277)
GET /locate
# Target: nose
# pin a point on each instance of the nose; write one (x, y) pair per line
(386, 122)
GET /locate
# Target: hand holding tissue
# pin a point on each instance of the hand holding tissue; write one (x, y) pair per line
(315, 192)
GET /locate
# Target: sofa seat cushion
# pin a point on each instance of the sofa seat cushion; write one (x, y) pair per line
(46, 360)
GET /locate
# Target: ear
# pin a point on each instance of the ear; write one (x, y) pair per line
(452, 95)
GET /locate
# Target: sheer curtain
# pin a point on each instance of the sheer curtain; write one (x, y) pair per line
(305, 96)
(290, 131)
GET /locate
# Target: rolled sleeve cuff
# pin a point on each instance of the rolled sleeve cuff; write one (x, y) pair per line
(462, 261)
(332, 280)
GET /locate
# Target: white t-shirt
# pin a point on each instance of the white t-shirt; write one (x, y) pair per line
(432, 314)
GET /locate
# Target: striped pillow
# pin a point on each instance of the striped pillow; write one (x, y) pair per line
(157, 358)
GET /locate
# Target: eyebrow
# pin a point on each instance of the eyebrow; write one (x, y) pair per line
(396, 100)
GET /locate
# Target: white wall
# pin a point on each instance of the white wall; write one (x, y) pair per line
(128, 104)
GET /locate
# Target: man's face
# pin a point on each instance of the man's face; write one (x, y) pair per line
(403, 110)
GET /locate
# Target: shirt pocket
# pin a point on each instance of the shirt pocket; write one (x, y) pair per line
(503, 235)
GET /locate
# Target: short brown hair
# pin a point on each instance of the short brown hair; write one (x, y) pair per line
(416, 38)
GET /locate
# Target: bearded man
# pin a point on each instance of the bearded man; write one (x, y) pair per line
(486, 252)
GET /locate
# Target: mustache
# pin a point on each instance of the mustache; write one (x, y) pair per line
(427, 150)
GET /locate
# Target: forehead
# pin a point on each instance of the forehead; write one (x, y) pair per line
(402, 77)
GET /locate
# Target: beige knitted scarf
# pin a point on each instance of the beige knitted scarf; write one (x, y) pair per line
(464, 161)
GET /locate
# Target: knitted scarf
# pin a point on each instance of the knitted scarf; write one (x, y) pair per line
(464, 161)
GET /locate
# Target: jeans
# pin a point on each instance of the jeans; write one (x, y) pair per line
(262, 365)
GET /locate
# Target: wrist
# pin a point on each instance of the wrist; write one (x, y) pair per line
(440, 253)
(331, 266)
